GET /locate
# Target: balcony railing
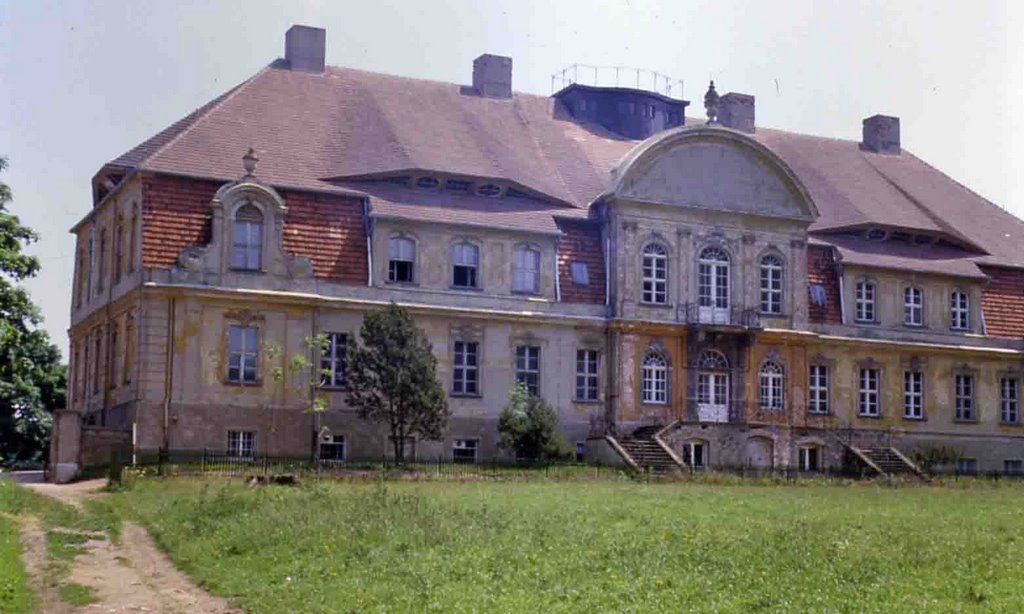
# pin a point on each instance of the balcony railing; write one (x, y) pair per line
(694, 313)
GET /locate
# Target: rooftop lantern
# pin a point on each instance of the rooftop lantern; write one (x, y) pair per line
(711, 104)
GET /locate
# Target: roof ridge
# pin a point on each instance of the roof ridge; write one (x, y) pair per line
(217, 103)
(968, 189)
(342, 69)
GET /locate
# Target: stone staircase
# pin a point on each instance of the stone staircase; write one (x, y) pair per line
(646, 451)
(886, 461)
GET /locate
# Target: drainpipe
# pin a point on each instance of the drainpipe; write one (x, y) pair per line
(558, 282)
(314, 369)
(169, 370)
(842, 294)
(368, 228)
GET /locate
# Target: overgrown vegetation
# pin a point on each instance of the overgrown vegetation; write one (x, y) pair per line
(529, 426)
(591, 546)
(77, 594)
(15, 596)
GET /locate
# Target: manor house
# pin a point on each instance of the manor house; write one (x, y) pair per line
(699, 292)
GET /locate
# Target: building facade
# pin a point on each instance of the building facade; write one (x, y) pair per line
(756, 297)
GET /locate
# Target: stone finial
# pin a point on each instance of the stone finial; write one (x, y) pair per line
(249, 162)
(711, 104)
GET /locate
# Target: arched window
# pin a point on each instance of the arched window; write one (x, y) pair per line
(771, 385)
(771, 284)
(712, 387)
(401, 259)
(465, 261)
(247, 243)
(655, 274)
(101, 262)
(713, 281)
(654, 379)
(712, 360)
(526, 270)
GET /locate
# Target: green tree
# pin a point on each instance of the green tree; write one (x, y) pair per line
(32, 379)
(392, 378)
(529, 426)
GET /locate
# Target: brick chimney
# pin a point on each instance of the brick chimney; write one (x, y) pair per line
(492, 76)
(304, 48)
(736, 111)
(881, 134)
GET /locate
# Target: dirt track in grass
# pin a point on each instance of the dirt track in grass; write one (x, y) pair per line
(132, 575)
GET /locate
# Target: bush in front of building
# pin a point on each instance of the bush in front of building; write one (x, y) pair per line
(529, 427)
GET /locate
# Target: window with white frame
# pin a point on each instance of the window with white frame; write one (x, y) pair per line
(1013, 466)
(771, 379)
(528, 367)
(913, 395)
(771, 284)
(243, 348)
(334, 360)
(526, 270)
(242, 444)
(964, 392)
(865, 301)
(465, 261)
(713, 278)
(868, 402)
(1009, 400)
(810, 458)
(695, 454)
(817, 398)
(959, 310)
(465, 372)
(913, 306)
(586, 375)
(332, 448)
(247, 239)
(655, 274)
(464, 451)
(401, 260)
(654, 379)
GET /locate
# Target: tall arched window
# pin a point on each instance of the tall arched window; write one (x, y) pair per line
(401, 259)
(526, 270)
(712, 387)
(654, 379)
(247, 240)
(655, 274)
(713, 284)
(771, 385)
(101, 263)
(771, 284)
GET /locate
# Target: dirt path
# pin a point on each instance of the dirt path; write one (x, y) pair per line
(131, 576)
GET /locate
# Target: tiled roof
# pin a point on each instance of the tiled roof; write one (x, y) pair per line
(322, 131)
(903, 256)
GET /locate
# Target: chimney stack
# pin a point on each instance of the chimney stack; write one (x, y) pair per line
(881, 134)
(492, 76)
(305, 47)
(736, 111)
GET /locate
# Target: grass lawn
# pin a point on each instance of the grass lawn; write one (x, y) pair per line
(594, 546)
(15, 596)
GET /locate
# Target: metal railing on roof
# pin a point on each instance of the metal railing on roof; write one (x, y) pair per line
(617, 76)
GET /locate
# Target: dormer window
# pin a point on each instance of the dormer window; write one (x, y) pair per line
(490, 190)
(247, 239)
(876, 234)
(427, 182)
(457, 185)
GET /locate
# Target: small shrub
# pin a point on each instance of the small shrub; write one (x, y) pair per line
(529, 426)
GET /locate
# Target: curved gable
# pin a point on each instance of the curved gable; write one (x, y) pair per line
(712, 168)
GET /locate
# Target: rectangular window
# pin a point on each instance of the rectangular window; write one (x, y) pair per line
(465, 365)
(247, 241)
(865, 302)
(581, 451)
(334, 360)
(913, 395)
(333, 449)
(465, 259)
(113, 350)
(967, 466)
(580, 275)
(810, 458)
(695, 455)
(129, 349)
(242, 352)
(868, 394)
(959, 311)
(586, 375)
(1013, 466)
(771, 285)
(101, 269)
(528, 367)
(464, 451)
(964, 397)
(526, 271)
(242, 444)
(913, 307)
(817, 402)
(1009, 400)
(401, 258)
(118, 250)
(97, 373)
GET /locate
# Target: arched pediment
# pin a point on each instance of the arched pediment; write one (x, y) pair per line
(712, 168)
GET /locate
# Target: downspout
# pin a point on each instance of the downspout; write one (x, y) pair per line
(314, 369)
(607, 273)
(842, 294)
(558, 282)
(368, 228)
(169, 370)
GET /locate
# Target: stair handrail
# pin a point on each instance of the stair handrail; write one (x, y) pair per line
(909, 463)
(614, 443)
(664, 446)
(859, 454)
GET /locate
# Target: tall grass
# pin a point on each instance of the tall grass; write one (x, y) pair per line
(591, 546)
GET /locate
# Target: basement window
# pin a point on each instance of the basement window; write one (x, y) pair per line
(1013, 466)
(242, 444)
(464, 451)
(333, 448)
(967, 466)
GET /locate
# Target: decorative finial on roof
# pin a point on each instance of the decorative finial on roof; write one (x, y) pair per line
(711, 104)
(249, 162)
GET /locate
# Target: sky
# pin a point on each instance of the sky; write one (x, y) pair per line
(82, 82)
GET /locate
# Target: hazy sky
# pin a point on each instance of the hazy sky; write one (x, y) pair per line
(84, 82)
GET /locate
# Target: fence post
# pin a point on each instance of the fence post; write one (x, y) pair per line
(202, 464)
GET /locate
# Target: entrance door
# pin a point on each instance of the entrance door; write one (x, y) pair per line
(712, 396)
(713, 286)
